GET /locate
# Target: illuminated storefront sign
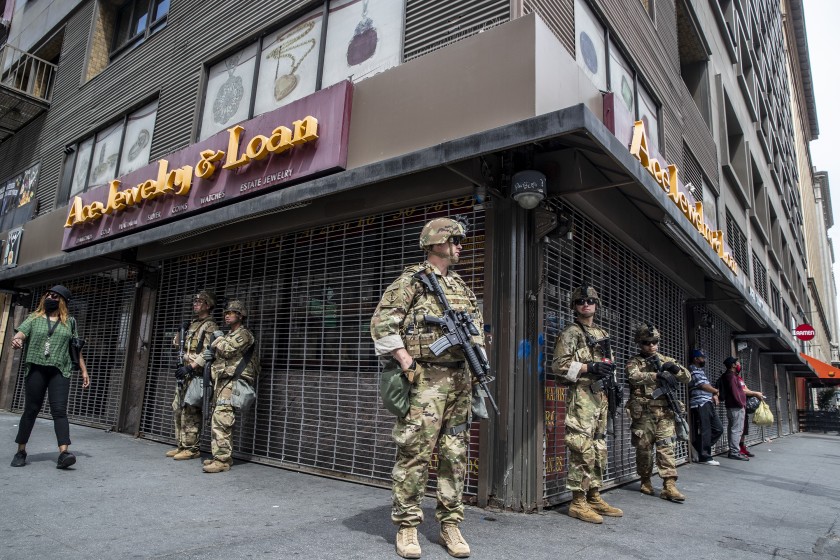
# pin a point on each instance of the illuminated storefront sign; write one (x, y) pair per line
(303, 139)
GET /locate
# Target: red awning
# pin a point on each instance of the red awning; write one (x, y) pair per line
(824, 370)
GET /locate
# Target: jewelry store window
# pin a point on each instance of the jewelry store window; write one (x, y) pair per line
(111, 152)
(362, 38)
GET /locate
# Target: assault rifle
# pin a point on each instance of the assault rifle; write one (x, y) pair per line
(207, 387)
(615, 393)
(458, 329)
(669, 391)
(180, 371)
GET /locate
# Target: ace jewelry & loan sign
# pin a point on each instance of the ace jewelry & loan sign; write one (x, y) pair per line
(301, 140)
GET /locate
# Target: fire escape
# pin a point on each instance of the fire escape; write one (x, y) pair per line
(26, 84)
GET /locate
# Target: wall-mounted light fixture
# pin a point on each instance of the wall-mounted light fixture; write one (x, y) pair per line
(528, 188)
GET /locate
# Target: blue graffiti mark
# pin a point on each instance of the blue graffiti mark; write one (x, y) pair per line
(524, 350)
(541, 339)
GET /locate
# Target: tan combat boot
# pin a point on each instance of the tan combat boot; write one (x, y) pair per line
(173, 452)
(597, 503)
(647, 487)
(186, 454)
(670, 492)
(579, 509)
(453, 540)
(406, 543)
(216, 466)
(206, 462)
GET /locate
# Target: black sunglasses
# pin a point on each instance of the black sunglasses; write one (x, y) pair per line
(456, 239)
(586, 301)
(52, 295)
(649, 342)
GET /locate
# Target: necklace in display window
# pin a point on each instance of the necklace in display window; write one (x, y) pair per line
(286, 83)
(230, 94)
(363, 44)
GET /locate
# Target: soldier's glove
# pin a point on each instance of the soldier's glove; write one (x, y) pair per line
(599, 370)
(218, 334)
(666, 379)
(183, 372)
(207, 355)
(671, 367)
(186, 324)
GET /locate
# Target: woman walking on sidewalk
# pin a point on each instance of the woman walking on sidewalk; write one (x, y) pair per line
(48, 368)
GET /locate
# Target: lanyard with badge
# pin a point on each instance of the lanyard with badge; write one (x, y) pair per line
(50, 330)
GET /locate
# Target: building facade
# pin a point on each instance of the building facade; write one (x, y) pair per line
(288, 154)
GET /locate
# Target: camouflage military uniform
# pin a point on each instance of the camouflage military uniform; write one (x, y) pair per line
(188, 418)
(440, 396)
(229, 350)
(652, 419)
(586, 407)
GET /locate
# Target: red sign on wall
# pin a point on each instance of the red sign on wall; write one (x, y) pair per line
(804, 332)
(301, 140)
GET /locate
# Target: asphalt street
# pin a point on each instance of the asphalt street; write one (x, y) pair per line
(124, 499)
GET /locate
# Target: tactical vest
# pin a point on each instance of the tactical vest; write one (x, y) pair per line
(645, 392)
(417, 335)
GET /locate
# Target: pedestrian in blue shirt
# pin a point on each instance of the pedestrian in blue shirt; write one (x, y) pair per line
(707, 428)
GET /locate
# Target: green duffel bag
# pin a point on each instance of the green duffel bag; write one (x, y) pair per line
(394, 389)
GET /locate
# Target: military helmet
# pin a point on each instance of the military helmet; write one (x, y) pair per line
(238, 306)
(646, 332)
(583, 292)
(207, 297)
(440, 230)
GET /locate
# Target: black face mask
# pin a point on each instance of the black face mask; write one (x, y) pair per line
(51, 305)
(701, 363)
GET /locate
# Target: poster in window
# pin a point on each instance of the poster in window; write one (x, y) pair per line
(80, 171)
(12, 247)
(289, 63)
(228, 97)
(364, 37)
(138, 138)
(3, 187)
(10, 197)
(30, 181)
(648, 114)
(106, 154)
(621, 79)
(590, 48)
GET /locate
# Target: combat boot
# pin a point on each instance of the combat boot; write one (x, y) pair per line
(598, 505)
(206, 462)
(216, 466)
(173, 452)
(670, 492)
(453, 540)
(579, 509)
(406, 543)
(186, 454)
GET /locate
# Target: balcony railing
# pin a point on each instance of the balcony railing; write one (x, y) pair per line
(25, 73)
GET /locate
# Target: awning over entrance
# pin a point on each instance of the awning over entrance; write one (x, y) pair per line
(826, 372)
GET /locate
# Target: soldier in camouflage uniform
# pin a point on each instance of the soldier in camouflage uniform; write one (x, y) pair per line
(581, 363)
(197, 337)
(440, 394)
(652, 419)
(227, 352)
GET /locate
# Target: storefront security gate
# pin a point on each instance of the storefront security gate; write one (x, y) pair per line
(102, 305)
(631, 291)
(310, 296)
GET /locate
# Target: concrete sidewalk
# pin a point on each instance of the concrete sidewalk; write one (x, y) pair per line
(124, 499)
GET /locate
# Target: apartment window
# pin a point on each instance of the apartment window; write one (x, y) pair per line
(694, 58)
(738, 242)
(775, 300)
(759, 277)
(114, 151)
(648, 6)
(135, 20)
(364, 37)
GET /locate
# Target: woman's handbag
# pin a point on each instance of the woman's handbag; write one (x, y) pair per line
(763, 416)
(76, 345)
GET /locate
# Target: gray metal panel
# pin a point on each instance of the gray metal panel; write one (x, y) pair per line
(102, 305)
(631, 291)
(431, 24)
(310, 296)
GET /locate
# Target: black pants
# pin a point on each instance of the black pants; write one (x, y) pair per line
(38, 382)
(707, 430)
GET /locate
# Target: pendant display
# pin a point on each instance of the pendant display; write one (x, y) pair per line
(364, 41)
(104, 164)
(230, 94)
(284, 84)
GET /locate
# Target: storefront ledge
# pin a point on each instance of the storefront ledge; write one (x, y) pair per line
(573, 119)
